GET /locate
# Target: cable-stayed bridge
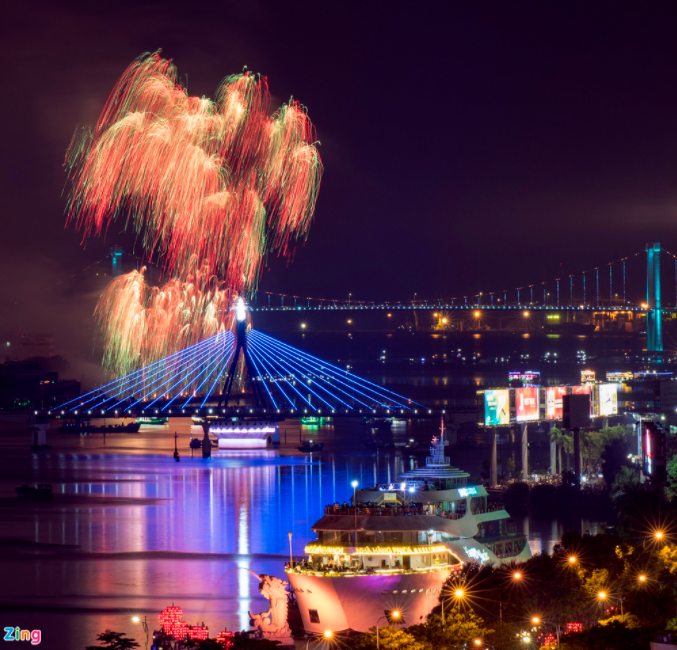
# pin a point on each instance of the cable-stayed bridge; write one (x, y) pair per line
(247, 373)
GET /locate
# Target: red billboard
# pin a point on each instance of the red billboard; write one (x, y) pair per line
(526, 404)
(553, 401)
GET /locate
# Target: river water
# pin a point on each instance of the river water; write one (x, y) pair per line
(130, 531)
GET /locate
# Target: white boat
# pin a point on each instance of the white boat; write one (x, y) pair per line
(244, 434)
(397, 546)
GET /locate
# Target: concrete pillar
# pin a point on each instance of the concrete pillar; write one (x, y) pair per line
(494, 458)
(553, 457)
(525, 452)
(577, 454)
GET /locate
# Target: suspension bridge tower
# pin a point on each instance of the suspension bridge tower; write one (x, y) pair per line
(654, 325)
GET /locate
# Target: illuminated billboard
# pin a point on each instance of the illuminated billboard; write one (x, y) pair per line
(496, 411)
(587, 377)
(553, 401)
(526, 403)
(606, 399)
(526, 378)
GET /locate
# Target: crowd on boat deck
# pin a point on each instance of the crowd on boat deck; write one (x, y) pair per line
(373, 509)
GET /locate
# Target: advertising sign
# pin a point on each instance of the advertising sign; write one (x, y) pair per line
(496, 410)
(553, 401)
(587, 377)
(518, 378)
(607, 399)
(526, 402)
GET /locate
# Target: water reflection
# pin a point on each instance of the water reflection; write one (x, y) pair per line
(131, 531)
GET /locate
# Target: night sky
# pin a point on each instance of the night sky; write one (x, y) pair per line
(467, 146)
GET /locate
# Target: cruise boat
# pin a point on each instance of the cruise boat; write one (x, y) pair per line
(395, 547)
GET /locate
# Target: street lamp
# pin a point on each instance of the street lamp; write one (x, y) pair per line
(484, 644)
(572, 559)
(517, 575)
(641, 577)
(355, 484)
(395, 614)
(144, 624)
(536, 621)
(327, 634)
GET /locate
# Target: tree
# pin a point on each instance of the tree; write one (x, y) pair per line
(459, 630)
(516, 499)
(614, 635)
(668, 557)
(558, 437)
(614, 456)
(113, 641)
(390, 638)
(671, 489)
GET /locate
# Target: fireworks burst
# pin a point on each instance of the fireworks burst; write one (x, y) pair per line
(142, 324)
(221, 180)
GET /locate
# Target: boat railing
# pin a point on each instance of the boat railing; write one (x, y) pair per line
(391, 511)
(494, 507)
(308, 569)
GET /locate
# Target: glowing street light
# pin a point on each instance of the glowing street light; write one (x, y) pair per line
(477, 313)
(303, 326)
(525, 314)
(641, 577)
(659, 535)
(481, 643)
(602, 595)
(394, 615)
(327, 635)
(517, 575)
(355, 484)
(144, 625)
(537, 620)
(572, 559)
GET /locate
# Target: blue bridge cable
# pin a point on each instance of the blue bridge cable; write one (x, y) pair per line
(318, 379)
(161, 370)
(190, 374)
(227, 357)
(216, 364)
(329, 383)
(197, 356)
(273, 380)
(347, 382)
(159, 367)
(195, 352)
(97, 391)
(194, 375)
(330, 370)
(339, 373)
(306, 377)
(296, 390)
(221, 362)
(258, 373)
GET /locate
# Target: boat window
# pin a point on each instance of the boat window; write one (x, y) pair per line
(314, 616)
(404, 591)
(385, 591)
(434, 590)
(427, 592)
(395, 591)
(420, 591)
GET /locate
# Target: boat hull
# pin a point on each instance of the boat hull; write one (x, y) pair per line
(356, 603)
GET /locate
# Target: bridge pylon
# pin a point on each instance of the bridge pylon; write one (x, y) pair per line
(241, 348)
(654, 324)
